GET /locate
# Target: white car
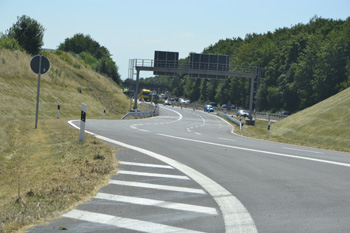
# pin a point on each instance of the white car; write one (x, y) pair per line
(243, 113)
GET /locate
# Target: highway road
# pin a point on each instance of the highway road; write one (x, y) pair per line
(186, 171)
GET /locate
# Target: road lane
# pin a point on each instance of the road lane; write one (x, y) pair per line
(289, 194)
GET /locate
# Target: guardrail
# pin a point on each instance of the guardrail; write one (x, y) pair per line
(234, 121)
(152, 111)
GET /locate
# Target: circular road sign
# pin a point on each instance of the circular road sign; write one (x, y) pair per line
(45, 64)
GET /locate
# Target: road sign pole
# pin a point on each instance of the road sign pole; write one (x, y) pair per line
(38, 93)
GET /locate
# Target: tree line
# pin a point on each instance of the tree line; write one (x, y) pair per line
(303, 65)
(27, 35)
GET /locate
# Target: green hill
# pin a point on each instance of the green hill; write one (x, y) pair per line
(324, 125)
(46, 170)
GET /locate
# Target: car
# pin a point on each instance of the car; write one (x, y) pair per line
(213, 104)
(208, 108)
(167, 102)
(285, 113)
(224, 106)
(243, 113)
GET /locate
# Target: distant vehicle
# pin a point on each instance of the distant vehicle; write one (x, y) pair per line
(224, 106)
(285, 113)
(233, 106)
(145, 95)
(213, 104)
(243, 113)
(208, 108)
(167, 102)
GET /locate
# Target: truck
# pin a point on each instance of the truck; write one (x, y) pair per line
(145, 95)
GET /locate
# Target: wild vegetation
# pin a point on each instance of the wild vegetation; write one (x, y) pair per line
(46, 170)
(96, 56)
(303, 65)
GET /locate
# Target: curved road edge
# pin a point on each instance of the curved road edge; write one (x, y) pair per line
(236, 217)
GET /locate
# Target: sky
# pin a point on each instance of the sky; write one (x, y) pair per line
(134, 29)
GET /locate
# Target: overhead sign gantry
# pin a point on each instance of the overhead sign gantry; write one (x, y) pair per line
(199, 65)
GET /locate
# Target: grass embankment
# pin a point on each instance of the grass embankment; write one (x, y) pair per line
(325, 125)
(46, 170)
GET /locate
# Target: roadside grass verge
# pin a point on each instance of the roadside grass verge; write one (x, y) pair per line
(45, 171)
(325, 125)
(48, 171)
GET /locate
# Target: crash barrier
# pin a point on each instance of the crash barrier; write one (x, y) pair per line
(228, 117)
(152, 111)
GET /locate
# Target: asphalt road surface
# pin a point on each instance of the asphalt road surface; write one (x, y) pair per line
(186, 171)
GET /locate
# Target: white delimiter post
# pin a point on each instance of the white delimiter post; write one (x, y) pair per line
(82, 122)
(58, 110)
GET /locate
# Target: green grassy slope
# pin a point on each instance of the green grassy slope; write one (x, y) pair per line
(37, 165)
(324, 125)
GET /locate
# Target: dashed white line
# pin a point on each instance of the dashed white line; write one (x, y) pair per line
(157, 203)
(143, 130)
(157, 186)
(145, 165)
(153, 175)
(127, 223)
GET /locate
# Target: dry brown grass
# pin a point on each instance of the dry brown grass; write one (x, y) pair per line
(46, 170)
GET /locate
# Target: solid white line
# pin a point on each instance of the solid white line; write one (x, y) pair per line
(127, 223)
(145, 165)
(153, 175)
(236, 217)
(309, 151)
(157, 203)
(157, 186)
(228, 139)
(261, 151)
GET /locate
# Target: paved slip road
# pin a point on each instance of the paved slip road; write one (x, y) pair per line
(185, 171)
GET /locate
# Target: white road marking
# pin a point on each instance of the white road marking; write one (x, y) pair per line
(236, 217)
(127, 223)
(145, 165)
(157, 203)
(143, 130)
(157, 186)
(153, 175)
(261, 151)
(309, 151)
(198, 133)
(228, 139)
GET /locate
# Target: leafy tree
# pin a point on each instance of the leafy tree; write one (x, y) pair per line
(95, 55)
(29, 34)
(303, 64)
(9, 43)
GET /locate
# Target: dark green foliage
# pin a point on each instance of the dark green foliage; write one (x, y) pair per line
(303, 65)
(96, 56)
(28, 33)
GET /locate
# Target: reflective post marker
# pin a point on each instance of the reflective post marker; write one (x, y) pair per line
(104, 113)
(82, 123)
(58, 109)
(268, 128)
